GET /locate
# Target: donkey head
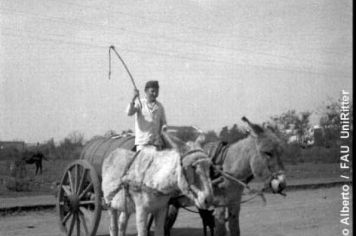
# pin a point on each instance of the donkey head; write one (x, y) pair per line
(194, 180)
(266, 162)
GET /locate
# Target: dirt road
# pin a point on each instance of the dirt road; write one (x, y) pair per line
(304, 212)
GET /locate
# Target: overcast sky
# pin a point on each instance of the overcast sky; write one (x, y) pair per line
(216, 60)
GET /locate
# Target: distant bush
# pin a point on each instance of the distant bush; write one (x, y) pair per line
(9, 154)
(320, 154)
(292, 153)
(295, 154)
(67, 149)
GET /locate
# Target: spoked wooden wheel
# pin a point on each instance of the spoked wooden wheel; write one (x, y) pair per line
(79, 200)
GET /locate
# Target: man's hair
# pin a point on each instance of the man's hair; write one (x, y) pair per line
(151, 84)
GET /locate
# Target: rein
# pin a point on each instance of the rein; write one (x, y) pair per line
(232, 178)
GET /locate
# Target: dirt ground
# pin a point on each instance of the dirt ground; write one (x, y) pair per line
(304, 212)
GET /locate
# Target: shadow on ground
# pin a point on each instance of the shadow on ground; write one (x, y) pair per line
(175, 232)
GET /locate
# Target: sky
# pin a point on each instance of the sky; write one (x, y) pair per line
(215, 60)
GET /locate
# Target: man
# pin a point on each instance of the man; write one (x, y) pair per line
(149, 117)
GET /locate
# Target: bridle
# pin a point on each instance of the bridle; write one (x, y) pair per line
(274, 175)
(191, 188)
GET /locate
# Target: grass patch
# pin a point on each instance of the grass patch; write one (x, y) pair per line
(314, 162)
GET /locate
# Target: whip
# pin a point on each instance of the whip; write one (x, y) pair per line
(112, 48)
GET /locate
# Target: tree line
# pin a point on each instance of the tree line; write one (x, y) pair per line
(286, 124)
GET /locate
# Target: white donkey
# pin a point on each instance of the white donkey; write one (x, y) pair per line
(144, 182)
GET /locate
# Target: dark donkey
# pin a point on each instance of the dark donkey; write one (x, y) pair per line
(34, 158)
(257, 156)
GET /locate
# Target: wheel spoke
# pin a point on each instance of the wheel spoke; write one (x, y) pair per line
(82, 203)
(66, 217)
(84, 222)
(66, 189)
(71, 226)
(86, 190)
(84, 173)
(76, 179)
(71, 181)
(78, 225)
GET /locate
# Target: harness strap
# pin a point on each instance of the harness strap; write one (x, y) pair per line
(189, 187)
(192, 152)
(122, 184)
(127, 167)
(232, 178)
(219, 155)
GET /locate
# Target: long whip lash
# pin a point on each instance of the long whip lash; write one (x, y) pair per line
(112, 48)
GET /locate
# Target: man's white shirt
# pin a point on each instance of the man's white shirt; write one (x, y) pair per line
(149, 120)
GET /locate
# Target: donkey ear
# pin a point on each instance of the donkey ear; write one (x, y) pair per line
(256, 129)
(201, 139)
(173, 142)
(167, 138)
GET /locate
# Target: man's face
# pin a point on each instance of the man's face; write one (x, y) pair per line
(152, 94)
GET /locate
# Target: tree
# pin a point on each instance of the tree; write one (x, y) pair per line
(286, 121)
(291, 123)
(330, 121)
(302, 124)
(71, 146)
(75, 138)
(331, 115)
(211, 136)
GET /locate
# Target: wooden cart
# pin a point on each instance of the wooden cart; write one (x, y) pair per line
(80, 201)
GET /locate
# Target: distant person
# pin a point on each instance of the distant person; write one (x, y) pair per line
(149, 117)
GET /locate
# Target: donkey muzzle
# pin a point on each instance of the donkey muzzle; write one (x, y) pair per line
(203, 201)
(278, 183)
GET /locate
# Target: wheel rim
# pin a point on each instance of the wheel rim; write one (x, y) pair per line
(79, 200)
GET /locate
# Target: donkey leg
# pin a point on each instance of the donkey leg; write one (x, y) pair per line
(234, 222)
(171, 216)
(220, 228)
(205, 232)
(211, 230)
(37, 168)
(141, 220)
(40, 167)
(123, 219)
(149, 223)
(160, 217)
(204, 214)
(113, 221)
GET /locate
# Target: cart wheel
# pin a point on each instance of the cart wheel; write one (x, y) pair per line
(79, 200)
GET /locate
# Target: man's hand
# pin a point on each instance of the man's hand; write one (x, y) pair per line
(136, 94)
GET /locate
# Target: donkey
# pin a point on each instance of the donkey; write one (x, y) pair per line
(144, 182)
(34, 158)
(256, 156)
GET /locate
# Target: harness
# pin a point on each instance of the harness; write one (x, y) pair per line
(126, 185)
(217, 151)
(185, 174)
(122, 184)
